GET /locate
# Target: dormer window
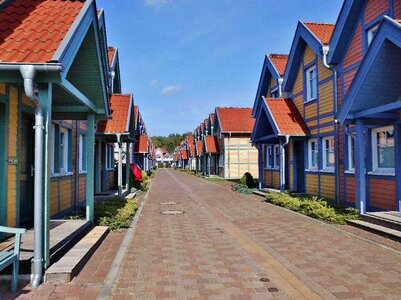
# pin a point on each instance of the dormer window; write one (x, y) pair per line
(311, 83)
(274, 93)
(372, 32)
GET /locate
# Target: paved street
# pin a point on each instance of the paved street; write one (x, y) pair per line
(226, 242)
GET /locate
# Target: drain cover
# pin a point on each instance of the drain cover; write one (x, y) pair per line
(169, 203)
(265, 279)
(172, 212)
(273, 290)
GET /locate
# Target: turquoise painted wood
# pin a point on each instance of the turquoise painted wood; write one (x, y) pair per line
(90, 168)
(8, 258)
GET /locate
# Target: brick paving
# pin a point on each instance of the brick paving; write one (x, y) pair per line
(225, 242)
(85, 286)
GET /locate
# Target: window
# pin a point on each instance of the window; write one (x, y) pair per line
(276, 156)
(313, 154)
(110, 156)
(311, 84)
(351, 153)
(82, 153)
(221, 160)
(328, 154)
(61, 150)
(383, 149)
(372, 32)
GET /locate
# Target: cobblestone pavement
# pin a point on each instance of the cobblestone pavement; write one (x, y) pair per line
(226, 242)
(85, 286)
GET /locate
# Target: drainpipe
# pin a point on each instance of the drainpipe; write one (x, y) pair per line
(112, 76)
(325, 50)
(77, 167)
(282, 171)
(209, 163)
(28, 73)
(280, 86)
(120, 166)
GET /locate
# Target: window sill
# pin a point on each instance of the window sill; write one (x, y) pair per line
(82, 172)
(272, 169)
(310, 101)
(62, 174)
(312, 170)
(382, 173)
(327, 170)
(349, 172)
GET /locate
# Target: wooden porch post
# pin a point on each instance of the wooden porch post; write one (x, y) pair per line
(360, 167)
(127, 166)
(90, 167)
(397, 135)
(260, 165)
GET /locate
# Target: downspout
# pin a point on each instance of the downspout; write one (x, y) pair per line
(229, 154)
(283, 178)
(28, 73)
(112, 76)
(280, 86)
(325, 50)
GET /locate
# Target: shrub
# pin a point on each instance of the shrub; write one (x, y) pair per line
(247, 179)
(144, 176)
(242, 188)
(116, 213)
(186, 168)
(168, 165)
(160, 165)
(312, 206)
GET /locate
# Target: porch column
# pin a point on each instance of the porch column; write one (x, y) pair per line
(99, 168)
(360, 167)
(45, 95)
(90, 167)
(397, 135)
(208, 164)
(120, 166)
(260, 165)
(127, 166)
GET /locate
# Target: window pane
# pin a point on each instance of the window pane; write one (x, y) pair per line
(61, 154)
(386, 157)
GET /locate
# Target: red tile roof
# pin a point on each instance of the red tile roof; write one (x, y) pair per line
(322, 31)
(207, 122)
(199, 148)
(111, 51)
(235, 119)
(141, 144)
(286, 116)
(120, 107)
(184, 154)
(280, 62)
(212, 144)
(212, 117)
(32, 31)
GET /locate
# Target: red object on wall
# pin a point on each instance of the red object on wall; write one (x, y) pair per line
(136, 171)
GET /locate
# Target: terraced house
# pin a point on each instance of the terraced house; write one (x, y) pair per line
(345, 72)
(233, 130)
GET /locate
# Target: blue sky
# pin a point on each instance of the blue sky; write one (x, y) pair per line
(182, 58)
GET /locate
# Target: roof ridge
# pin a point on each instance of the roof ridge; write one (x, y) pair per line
(319, 23)
(278, 55)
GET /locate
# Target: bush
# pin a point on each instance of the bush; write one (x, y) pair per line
(160, 165)
(316, 208)
(242, 188)
(144, 176)
(186, 168)
(247, 179)
(116, 213)
(168, 165)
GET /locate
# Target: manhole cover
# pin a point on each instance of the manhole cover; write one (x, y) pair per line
(172, 212)
(273, 290)
(169, 203)
(264, 279)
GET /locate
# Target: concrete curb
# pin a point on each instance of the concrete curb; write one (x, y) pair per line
(112, 275)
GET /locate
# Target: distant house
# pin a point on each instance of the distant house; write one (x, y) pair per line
(237, 155)
(211, 154)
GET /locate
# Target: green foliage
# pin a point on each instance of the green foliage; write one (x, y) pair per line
(116, 213)
(169, 142)
(242, 188)
(247, 179)
(213, 178)
(152, 174)
(314, 207)
(144, 186)
(144, 176)
(160, 165)
(186, 168)
(168, 165)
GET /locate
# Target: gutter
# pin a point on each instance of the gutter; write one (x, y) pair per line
(280, 86)
(325, 50)
(29, 73)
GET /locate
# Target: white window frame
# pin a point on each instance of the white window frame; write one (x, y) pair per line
(109, 157)
(82, 137)
(375, 162)
(276, 160)
(325, 158)
(52, 147)
(64, 142)
(351, 157)
(310, 167)
(267, 155)
(274, 91)
(309, 82)
(221, 160)
(371, 32)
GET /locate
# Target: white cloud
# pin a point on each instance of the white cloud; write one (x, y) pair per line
(154, 83)
(155, 3)
(170, 89)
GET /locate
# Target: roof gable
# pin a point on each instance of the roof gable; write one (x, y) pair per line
(141, 144)
(211, 144)
(273, 66)
(311, 34)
